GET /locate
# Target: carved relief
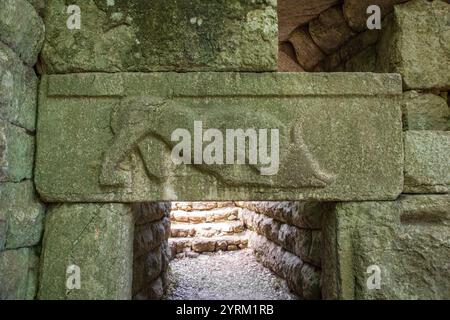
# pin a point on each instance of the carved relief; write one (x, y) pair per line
(152, 120)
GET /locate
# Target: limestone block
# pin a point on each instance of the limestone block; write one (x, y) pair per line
(427, 162)
(408, 240)
(21, 29)
(98, 238)
(18, 274)
(330, 30)
(22, 215)
(18, 90)
(425, 111)
(16, 153)
(161, 35)
(355, 11)
(415, 44)
(294, 13)
(339, 136)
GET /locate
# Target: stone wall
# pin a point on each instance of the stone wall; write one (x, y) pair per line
(400, 249)
(21, 213)
(150, 250)
(286, 237)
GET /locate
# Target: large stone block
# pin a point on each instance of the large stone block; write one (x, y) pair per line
(22, 215)
(427, 162)
(18, 90)
(99, 240)
(425, 111)
(408, 240)
(110, 137)
(161, 35)
(415, 44)
(18, 274)
(16, 153)
(21, 28)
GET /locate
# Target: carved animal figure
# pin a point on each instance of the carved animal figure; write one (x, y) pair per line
(137, 119)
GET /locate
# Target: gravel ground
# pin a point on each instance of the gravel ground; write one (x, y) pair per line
(234, 275)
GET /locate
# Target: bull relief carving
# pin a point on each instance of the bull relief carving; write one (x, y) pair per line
(153, 120)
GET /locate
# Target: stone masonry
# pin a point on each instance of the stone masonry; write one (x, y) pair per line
(358, 206)
(22, 215)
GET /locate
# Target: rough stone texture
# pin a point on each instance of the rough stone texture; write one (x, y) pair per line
(365, 61)
(18, 90)
(295, 240)
(160, 35)
(340, 136)
(354, 47)
(148, 212)
(22, 215)
(39, 5)
(16, 153)
(302, 279)
(149, 236)
(304, 215)
(293, 13)
(427, 164)
(425, 111)
(18, 274)
(355, 11)
(307, 52)
(409, 239)
(287, 60)
(21, 28)
(330, 30)
(96, 237)
(415, 44)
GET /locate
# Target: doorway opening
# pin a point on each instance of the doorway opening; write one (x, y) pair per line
(233, 250)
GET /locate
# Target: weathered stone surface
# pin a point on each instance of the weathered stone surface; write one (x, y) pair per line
(232, 35)
(150, 236)
(16, 153)
(330, 30)
(18, 90)
(408, 239)
(287, 60)
(355, 11)
(39, 5)
(304, 215)
(22, 215)
(350, 50)
(301, 278)
(427, 162)
(340, 136)
(21, 28)
(425, 111)
(307, 52)
(415, 44)
(294, 13)
(18, 274)
(98, 238)
(147, 212)
(295, 240)
(365, 61)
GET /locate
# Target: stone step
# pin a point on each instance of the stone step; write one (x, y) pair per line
(200, 205)
(205, 244)
(207, 229)
(215, 215)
